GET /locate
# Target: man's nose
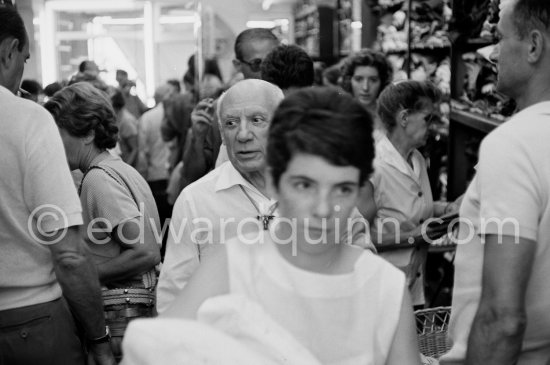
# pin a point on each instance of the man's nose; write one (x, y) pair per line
(244, 133)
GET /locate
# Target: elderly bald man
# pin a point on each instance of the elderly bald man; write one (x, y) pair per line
(231, 200)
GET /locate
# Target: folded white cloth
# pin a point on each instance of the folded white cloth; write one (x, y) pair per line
(230, 329)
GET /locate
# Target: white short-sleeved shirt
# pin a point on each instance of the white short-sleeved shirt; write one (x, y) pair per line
(34, 177)
(341, 319)
(512, 185)
(403, 193)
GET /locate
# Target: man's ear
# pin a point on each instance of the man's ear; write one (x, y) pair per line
(8, 50)
(536, 45)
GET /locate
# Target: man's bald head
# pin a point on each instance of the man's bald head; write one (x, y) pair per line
(253, 89)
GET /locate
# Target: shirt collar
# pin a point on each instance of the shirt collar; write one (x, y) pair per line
(229, 177)
(386, 151)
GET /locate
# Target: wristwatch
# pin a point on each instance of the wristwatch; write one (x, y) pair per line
(105, 338)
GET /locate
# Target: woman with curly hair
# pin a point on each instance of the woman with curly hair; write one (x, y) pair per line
(119, 211)
(364, 75)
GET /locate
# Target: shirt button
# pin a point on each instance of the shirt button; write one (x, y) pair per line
(24, 334)
(420, 194)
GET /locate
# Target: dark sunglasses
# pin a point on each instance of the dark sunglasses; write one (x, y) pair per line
(254, 65)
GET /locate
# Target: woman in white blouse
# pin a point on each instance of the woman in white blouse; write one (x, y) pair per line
(398, 199)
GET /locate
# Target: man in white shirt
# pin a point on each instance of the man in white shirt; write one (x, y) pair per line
(501, 299)
(211, 209)
(44, 270)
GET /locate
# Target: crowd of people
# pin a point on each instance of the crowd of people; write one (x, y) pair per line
(269, 220)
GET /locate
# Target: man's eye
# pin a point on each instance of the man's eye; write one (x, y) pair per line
(258, 119)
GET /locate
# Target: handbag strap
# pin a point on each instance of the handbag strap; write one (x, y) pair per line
(148, 278)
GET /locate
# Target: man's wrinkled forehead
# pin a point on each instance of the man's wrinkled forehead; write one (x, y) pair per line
(249, 95)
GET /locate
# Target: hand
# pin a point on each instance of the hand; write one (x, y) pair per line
(451, 208)
(202, 116)
(101, 354)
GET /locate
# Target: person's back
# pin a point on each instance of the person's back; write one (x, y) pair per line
(26, 267)
(526, 155)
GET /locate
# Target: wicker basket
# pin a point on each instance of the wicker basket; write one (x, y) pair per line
(431, 325)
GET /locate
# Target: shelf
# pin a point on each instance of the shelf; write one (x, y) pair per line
(474, 120)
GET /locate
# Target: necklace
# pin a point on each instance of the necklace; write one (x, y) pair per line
(264, 218)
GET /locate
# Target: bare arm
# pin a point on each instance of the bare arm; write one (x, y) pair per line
(404, 240)
(78, 279)
(140, 253)
(210, 280)
(498, 327)
(405, 345)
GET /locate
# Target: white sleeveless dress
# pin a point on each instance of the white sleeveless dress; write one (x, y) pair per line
(341, 319)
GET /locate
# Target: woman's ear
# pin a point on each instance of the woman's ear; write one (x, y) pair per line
(402, 116)
(89, 138)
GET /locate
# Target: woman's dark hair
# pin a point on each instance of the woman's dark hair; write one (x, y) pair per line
(322, 122)
(366, 57)
(409, 94)
(81, 109)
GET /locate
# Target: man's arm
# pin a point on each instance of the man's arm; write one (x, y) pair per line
(497, 332)
(79, 282)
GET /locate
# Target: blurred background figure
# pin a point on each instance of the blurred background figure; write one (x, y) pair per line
(154, 152)
(128, 133)
(34, 90)
(132, 102)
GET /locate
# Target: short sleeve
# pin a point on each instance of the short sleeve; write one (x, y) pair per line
(507, 188)
(108, 199)
(48, 184)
